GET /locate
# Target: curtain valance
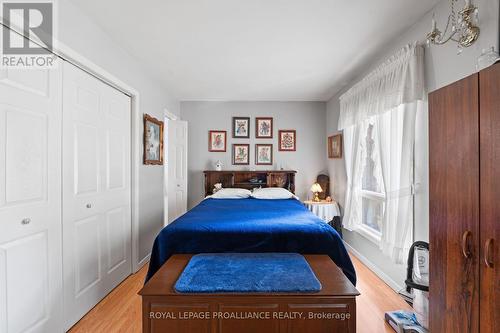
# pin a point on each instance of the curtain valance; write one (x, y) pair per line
(397, 81)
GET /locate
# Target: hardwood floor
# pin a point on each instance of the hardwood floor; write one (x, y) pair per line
(376, 298)
(120, 311)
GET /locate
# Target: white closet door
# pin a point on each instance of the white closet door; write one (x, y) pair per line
(30, 200)
(96, 191)
(177, 168)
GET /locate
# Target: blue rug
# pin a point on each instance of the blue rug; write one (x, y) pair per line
(247, 272)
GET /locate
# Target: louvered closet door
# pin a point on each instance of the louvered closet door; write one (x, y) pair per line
(454, 207)
(96, 191)
(490, 196)
(30, 200)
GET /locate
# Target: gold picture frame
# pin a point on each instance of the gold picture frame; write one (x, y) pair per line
(335, 146)
(152, 141)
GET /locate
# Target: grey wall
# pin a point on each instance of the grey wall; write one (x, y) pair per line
(81, 34)
(442, 67)
(307, 118)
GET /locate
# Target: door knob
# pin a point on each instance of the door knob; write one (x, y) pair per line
(88, 205)
(26, 220)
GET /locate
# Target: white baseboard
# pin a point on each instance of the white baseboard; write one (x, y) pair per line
(375, 269)
(143, 262)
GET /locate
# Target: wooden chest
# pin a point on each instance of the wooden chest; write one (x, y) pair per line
(333, 309)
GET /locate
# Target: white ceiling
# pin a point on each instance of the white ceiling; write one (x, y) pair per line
(285, 50)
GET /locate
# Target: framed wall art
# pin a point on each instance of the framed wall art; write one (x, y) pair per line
(287, 140)
(217, 141)
(241, 154)
(152, 141)
(264, 128)
(335, 146)
(241, 127)
(264, 154)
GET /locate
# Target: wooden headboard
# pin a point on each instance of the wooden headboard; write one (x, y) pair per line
(250, 179)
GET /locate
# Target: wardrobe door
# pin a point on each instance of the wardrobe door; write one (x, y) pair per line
(96, 191)
(30, 200)
(454, 207)
(490, 194)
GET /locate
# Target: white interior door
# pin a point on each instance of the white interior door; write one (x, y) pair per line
(176, 164)
(96, 191)
(30, 200)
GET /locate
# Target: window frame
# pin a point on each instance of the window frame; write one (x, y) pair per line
(364, 230)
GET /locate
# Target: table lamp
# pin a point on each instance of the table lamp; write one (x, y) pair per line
(315, 189)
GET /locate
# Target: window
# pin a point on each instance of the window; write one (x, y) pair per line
(372, 194)
(378, 117)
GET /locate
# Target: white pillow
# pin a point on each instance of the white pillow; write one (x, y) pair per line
(231, 193)
(272, 193)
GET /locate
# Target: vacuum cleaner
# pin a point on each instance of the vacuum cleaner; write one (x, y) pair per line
(417, 289)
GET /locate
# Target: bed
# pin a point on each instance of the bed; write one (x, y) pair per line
(249, 226)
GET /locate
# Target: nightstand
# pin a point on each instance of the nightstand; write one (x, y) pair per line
(329, 212)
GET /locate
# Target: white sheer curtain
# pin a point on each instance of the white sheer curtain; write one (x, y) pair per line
(352, 155)
(391, 94)
(396, 137)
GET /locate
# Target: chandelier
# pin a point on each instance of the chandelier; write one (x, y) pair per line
(461, 27)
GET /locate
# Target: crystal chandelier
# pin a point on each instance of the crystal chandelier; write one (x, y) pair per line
(462, 25)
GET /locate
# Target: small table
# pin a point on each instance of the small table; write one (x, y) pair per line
(327, 211)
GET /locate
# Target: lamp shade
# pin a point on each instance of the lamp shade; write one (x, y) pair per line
(315, 188)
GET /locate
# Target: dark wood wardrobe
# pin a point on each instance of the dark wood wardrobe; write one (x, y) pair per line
(464, 149)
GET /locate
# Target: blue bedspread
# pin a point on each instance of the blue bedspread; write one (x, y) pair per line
(249, 226)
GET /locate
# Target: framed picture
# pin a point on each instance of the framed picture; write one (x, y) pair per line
(152, 141)
(241, 127)
(264, 154)
(217, 141)
(335, 146)
(287, 140)
(241, 154)
(264, 128)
